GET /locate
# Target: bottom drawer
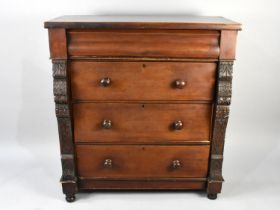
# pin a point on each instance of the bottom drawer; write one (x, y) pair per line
(142, 161)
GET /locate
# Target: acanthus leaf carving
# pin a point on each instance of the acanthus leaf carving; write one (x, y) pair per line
(221, 115)
(225, 70)
(63, 113)
(60, 81)
(59, 68)
(60, 87)
(224, 87)
(62, 110)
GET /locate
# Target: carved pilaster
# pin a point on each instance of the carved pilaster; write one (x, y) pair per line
(221, 114)
(63, 114)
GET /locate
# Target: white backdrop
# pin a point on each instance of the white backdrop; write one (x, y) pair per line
(29, 154)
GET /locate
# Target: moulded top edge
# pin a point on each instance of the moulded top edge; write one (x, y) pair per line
(143, 22)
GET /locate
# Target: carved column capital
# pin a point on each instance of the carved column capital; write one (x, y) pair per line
(224, 86)
(225, 70)
(60, 81)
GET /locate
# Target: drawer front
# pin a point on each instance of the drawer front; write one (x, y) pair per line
(145, 161)
(148, 43)
(142, 80)
(128, 122)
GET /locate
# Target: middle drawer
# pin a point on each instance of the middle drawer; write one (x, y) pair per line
(137, 123)
(118, 81)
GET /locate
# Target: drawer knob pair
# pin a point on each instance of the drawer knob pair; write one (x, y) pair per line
(105, 82)
(108, 163)
(178, 125)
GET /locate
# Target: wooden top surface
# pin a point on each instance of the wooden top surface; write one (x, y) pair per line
(143, 22)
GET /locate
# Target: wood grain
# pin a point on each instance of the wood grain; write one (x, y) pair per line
(228, 44)
(154, 43)
(65, 127)
(143, 161)
(143, 22)
(142, 80)
(57, 43)
(141, 122)
(122, 136)
(175, 184)
(221, 115)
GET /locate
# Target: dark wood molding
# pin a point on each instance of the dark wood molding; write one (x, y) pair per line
(175, 184)
(141, 59)
(224, 84)
(65, 128)
(142, 22)
(221, 114)
(144, 179)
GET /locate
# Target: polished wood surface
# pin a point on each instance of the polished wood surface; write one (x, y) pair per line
(141, 122)
(143, 22)
(58, 45)
(143, 161)
(227, 45)
(153, 43)
(174, 184)
(142, 102)
(142, 80)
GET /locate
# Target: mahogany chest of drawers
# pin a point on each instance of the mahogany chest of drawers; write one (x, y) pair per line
(142, 103)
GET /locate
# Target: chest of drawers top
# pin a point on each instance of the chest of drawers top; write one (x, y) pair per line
(138, 36)
(142, 22)
(142, 102)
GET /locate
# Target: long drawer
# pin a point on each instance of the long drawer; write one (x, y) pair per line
(144, 43)
(133, 122)
(142, 161)
(142, 80)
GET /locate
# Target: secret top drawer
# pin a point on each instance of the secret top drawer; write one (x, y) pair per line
(142, 80)
(144, 43)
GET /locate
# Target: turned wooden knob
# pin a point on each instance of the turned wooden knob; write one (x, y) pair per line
(106, 124)
(176, 164)
(108, 163)
(178, 125)
(179, 84)
(105, 82)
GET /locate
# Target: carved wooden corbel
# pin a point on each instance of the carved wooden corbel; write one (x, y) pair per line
(221, 114)
(63, 114)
